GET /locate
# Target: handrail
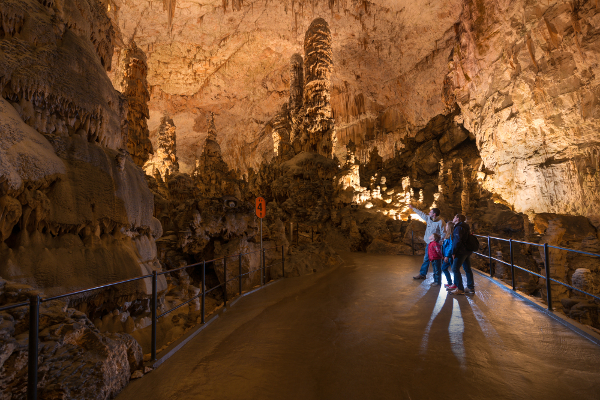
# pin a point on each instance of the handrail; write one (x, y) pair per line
(547, 276)
(298, 234)
(36, 300)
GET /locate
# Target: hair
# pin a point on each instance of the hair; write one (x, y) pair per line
(436, 211)
(461, 217)
(449, 229)
(436, 237)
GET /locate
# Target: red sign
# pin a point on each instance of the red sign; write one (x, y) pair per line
(261, 207)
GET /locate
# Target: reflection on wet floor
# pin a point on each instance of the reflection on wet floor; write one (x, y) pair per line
(369, 331)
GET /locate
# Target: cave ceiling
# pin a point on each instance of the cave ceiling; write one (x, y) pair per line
(233, 58)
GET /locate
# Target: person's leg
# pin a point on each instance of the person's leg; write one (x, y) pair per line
(437, 271)
(445, 267)
(458, 261)
(425, 265)
(468, 272)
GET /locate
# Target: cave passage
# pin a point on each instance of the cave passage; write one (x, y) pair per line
(366, 330)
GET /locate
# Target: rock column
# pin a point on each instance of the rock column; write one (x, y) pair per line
(318, 64)
(134, 85)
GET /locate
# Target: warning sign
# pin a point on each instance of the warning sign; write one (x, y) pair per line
(261, 207)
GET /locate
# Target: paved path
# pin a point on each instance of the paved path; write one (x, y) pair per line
(368, 331)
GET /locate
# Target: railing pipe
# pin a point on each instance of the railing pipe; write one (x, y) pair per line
(32, 362)
(225, 280)
(240, 274)
(512, 264)
(548, 286)
(490, 257)
(282, 262)
(154, 319)
(263, 273)
(203, 289)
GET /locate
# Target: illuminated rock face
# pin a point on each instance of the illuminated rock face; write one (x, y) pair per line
(318, 128)
(53, 62)
(530, 95)
(131, 81)
(165, 159)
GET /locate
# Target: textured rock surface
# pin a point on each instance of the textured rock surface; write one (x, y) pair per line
(53, 62)
(76, 361)
(524, 75)
(390, 62)
(131, 80)
(164, 161)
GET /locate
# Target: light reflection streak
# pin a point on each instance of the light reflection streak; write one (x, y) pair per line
(456, 330)
(439, 303)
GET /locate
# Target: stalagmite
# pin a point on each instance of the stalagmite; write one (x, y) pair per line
(133, 84)
(318, 123)
(165, 159)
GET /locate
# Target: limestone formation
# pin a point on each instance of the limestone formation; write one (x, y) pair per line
(296, 101)
(53, 62)
(165, 159)
(65, 334)
(318, 127)
(132, 82)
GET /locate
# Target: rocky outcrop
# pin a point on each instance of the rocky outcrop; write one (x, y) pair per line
(131, 81)
(165, 160)
(75, 360)
(530, 95)
(53, 62)
(318, 126)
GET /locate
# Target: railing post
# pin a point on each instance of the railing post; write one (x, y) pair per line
(225, 279)
(312, 234)
(154, 306)
(240, 275)
(32, 362)
(548, 287)
(512, 265)
(282, 262)
(203, 288)
(263, 275)
(490, 256)
(297, 233)
(412, 241)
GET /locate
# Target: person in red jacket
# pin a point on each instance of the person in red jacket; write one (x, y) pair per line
(434, 252)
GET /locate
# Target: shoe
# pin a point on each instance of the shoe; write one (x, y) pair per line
(448, 285)
(469, 291)
(435, 284)
(419, 277)
(451, 287)
(457, 291)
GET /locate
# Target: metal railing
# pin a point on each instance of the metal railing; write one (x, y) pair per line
(546, 277)
(35, 301)
(298, 234)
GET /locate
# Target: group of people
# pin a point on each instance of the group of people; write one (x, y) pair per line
(451, 253)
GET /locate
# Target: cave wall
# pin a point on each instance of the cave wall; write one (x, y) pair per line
(76, 210)
(524, 75)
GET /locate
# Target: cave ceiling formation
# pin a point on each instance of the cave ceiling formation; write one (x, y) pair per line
(521, 73)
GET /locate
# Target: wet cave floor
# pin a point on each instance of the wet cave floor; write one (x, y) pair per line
(367, 330)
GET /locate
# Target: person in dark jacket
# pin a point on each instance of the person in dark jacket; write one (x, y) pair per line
(461, 257)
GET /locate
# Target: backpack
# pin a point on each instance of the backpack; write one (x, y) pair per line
(472, 244)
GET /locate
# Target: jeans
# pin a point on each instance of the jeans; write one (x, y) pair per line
(465, 261)
(437, 271)
(425, 265)
(445, 266)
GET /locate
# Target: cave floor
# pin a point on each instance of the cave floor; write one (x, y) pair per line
(367, 330)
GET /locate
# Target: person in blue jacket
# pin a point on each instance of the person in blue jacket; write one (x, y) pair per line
(447, 253)
(461, 257)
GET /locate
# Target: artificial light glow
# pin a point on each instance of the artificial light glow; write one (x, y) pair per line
(109, 7)
(416, 216)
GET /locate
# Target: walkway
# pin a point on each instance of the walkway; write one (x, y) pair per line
(368, 331)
